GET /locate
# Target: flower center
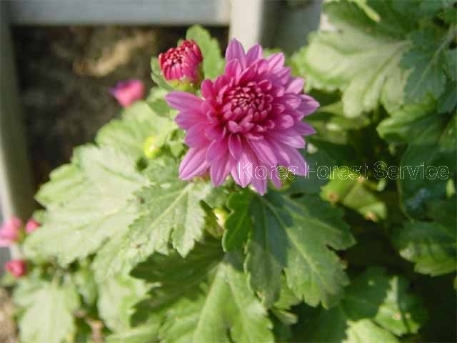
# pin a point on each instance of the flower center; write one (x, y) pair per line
(247, 108)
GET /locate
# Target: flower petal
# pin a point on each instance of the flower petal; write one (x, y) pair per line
(236, 51)
(253, 54)
(193, 164)
(183, 101)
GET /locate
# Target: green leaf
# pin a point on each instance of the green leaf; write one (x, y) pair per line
(407, 123)
(117, 296)
(87, 203)
(238, 222)
(361, 58)
(170, 215)
(448, 101)
(213, 63)
(375, 308)
(140, 334)
(84, 280)
(48, 312)
(138, 122)
(434, 147)
(294, 236)
(426, 59)
(203, 298)
(432, 246)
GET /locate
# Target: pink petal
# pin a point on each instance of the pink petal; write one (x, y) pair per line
(193, 164)
(304, 129)
(216, 150)
(244, 170)
(254, 54)
(308, 105)
(264, 152)
(188, 118)
(235, 147)
(219, 171)
(276, 61)
(235, 51)
(260, 184)
(194, 137)
(183, 101)
(289, 137)
(296, 85)
(207, 88)
(297, 162)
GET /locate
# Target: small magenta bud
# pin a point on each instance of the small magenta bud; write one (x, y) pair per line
(32, 225)
(17, 268)
(182, 63)
(10, 232)
(127, 92)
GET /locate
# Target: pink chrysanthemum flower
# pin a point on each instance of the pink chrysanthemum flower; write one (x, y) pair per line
(32, 225)
(182, 63)
(127, 92)
(17, 268)
(248, 121)
(10, 232)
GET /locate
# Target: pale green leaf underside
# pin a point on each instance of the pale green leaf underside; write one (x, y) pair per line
(170, 215)
(364, 66)
(87, 208)
(138, 122)
(48, 317)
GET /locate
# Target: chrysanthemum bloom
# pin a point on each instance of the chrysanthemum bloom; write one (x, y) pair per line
(31, 226)
(182, 63)
(127, 92)
(17, 268)
(10, 232)
(247, 123)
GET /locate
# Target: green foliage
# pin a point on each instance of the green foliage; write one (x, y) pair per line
(370, 312)
(432, 246)
(202, 298)
(130, 253)
(48, 311)
(276, 244)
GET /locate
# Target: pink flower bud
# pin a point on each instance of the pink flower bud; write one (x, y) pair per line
(127, 92)
(31, 226)
(10, 232)
(182, 63)
(17, 268)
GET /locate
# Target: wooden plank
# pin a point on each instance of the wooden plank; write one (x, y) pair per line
(16, 191)
(126, 12)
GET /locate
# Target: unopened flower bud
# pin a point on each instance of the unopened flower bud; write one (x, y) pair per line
(181, 65)
(150, 147)
(10, 232)
(221, 216)
(31, 225)
(127, 92)
(17, 268)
